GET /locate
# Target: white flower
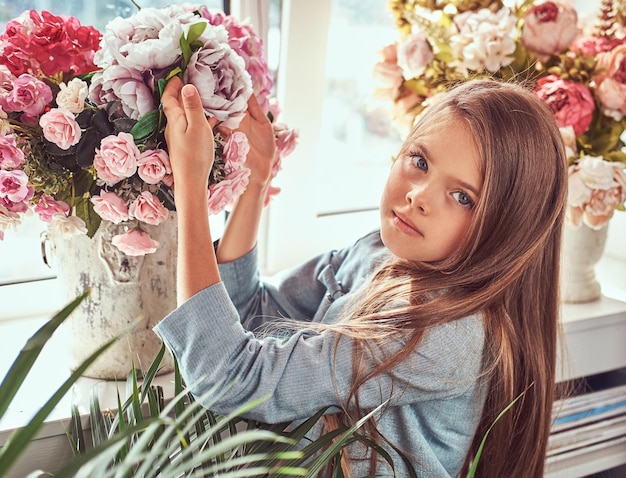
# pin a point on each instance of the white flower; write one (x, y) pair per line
(72, 95)
(61, 224)
(485, 40)
(5, 127)
(596, 173)
(8, 220)
(148, 39)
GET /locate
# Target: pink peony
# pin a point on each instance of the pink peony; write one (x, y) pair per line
(571, 102)
(153, 165)
(135, 243)
(29, 95)
(549, 27)
(224, 194)
(147, 208)
(221, 79)
(595, 188)
(611, 84)
(125, 84)
(249, 46)
(117, 158)
(592, 45)
(47, 207)
(236, 150)
(414, 55)
(11, 157)
(110, 207)
(60, 127)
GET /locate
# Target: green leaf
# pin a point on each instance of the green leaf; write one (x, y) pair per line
(18, 440)
(21, 366)
(146, 126)
(472, 471)
(195, 31)
(84, 210)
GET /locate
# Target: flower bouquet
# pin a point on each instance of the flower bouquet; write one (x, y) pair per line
(81, 130)
(577, 70)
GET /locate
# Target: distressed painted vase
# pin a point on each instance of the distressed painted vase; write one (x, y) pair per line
(126, 291)
(582, 249)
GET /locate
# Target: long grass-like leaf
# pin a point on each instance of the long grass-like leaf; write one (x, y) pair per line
(20, 438)
(20, 368)
(474, 467)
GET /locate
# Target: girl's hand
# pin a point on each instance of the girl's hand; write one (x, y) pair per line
(257, 127)
(189, 135)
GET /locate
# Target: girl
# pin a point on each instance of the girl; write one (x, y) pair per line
(448, 312)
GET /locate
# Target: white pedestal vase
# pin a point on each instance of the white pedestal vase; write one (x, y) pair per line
(582, 249)
(125, 290)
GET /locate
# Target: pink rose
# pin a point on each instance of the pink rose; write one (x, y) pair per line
(592, 45)
(286, 139)
(271, 192)
(47, 207)
(221, 79)
(611, 84)
(549, 27)
(11, 157)
(236, 150)
(14, 186)
(110, 207)
(153, 165)
(117, 158)
(571, 102)
(225, 193)
(387, 74)
(595, 188)
(135, 243)
(147, 208)
(60, 127)
(414, 55)
(29, 95)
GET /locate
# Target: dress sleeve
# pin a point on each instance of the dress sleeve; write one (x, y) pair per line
(295, 293)
(300, 375)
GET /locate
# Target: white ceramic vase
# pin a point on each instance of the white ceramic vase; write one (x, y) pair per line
(125, 290)
(582, 249)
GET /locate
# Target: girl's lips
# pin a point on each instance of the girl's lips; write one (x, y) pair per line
(405, 226)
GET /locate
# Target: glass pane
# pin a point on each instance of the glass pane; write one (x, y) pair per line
(357, 141)
(20, 252)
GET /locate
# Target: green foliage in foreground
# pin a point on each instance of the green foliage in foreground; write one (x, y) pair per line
(150, 436)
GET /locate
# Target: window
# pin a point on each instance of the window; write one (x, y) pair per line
(20, 252)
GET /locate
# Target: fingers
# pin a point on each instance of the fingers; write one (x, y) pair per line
(254, 109)
(193, 106)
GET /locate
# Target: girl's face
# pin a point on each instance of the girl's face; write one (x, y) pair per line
(429, 197)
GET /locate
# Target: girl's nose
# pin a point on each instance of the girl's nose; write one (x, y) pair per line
(418, 197)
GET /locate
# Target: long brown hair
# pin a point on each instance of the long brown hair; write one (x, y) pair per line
(507, 269)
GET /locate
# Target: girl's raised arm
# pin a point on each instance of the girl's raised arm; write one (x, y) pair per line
(241, 230)
(190, 142)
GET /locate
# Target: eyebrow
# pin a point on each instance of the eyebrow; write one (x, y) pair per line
(463, 184)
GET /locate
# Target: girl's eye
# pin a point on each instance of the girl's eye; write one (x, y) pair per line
(419, 161)
(463, 199)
